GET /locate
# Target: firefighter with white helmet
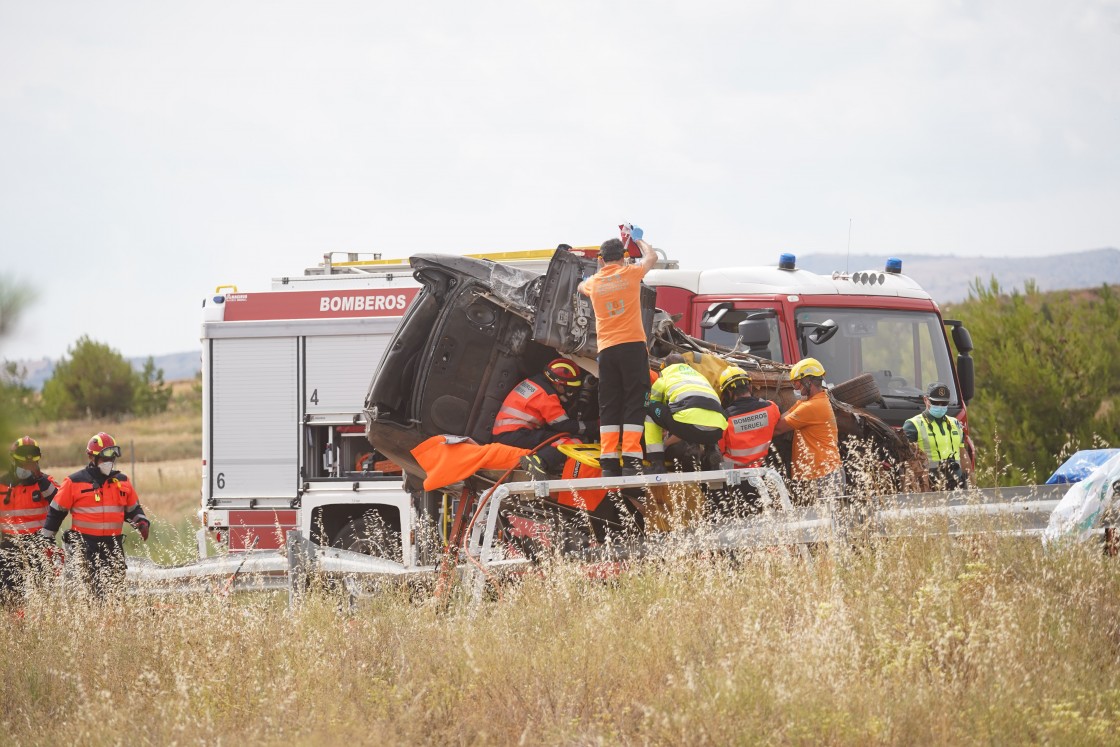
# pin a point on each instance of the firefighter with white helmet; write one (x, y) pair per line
(101, 499)
(25, 496)
(537, 409)
(816, 470)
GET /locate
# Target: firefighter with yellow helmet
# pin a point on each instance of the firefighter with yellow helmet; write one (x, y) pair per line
(25, 495)
(816, 470)
(750, 420)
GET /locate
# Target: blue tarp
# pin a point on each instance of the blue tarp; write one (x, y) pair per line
(1078, 466)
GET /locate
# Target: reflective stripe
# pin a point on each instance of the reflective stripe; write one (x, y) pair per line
(49, 492)
(107, 529)
(25, 512)
(26, 527)
(743, 453)
(56, 507)
(98, 509)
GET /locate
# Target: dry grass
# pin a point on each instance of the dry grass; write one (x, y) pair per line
(925, 641)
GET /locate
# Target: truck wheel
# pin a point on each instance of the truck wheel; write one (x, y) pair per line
(858, 392)
(368, 534)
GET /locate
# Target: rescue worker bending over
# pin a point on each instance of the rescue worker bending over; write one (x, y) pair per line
(101, 500)
(817, 470)
(941, 437)
(682, 402)
(25, 495)
(750, 420)
(536, 410)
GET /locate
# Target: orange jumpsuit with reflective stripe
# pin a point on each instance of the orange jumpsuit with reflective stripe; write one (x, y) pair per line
(24, 503)
(99, 505)
(750, 429)
(532, 405)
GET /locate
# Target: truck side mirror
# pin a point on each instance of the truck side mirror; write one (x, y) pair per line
(714, 313)
(966, 372)
(821, 333)
(754, 334)
(962, 339)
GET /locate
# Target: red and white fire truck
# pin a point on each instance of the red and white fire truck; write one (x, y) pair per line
(286, 373)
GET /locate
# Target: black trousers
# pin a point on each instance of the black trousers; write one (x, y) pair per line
(19, 559)
(103, 563)
(623, 383)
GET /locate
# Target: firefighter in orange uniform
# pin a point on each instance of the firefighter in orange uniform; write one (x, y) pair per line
(616, 296)
(101, 499)
(25, 495)
(750, 420)
(536, 410)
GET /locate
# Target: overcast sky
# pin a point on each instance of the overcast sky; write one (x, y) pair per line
(152, 151)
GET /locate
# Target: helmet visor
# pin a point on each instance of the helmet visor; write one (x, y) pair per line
(27, 454)
(109, 452)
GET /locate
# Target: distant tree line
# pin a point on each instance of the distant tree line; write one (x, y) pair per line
(1047, 376)
(93, 381)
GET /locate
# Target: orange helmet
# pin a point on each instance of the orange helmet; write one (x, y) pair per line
(25, 449)
(563, 372)
(104, 446)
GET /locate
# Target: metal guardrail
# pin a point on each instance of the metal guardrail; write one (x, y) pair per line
(1026, 509)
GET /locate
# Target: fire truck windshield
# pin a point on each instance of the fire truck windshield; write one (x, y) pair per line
(905, 351)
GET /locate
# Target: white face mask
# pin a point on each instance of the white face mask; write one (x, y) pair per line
(106, 467)
(23, 474)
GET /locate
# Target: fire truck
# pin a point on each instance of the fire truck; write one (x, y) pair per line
(286, 373)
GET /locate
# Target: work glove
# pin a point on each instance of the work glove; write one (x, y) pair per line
(46, 536)
(628, 229)
(589, 428)
(142, 525)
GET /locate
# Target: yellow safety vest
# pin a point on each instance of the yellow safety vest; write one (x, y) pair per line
(939, 443)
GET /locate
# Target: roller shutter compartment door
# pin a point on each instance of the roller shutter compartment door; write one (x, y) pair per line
(254, 418)
(339, 371)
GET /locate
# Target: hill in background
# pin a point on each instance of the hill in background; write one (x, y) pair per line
(948, 278)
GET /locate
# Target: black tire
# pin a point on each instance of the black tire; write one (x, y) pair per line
(858, 392)
(369, 534)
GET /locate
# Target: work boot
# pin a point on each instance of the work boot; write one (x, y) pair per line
(711, 460)
(656, 466)
(631, 466)
(610, 467)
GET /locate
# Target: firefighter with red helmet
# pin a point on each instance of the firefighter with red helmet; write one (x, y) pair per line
(538, 409)
(25, 496)
(100, 499)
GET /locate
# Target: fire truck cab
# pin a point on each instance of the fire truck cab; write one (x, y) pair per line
(877, 324)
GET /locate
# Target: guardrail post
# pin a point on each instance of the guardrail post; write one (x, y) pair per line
(299, 565)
